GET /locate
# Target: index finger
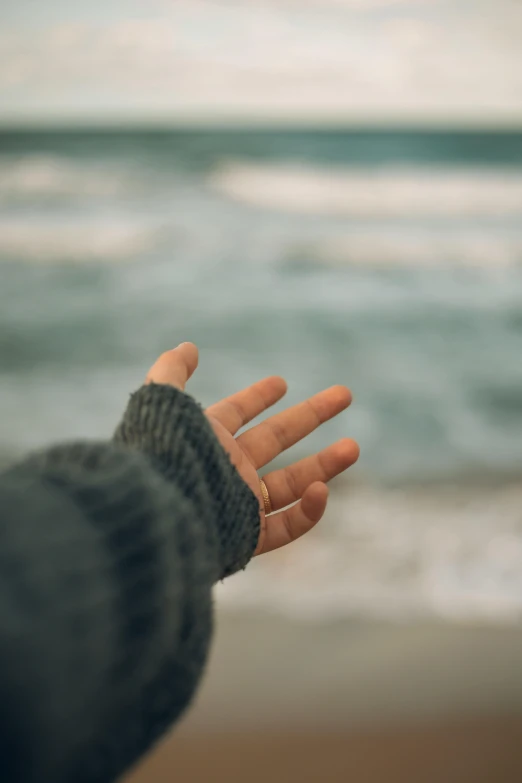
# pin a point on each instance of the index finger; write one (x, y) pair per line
(237, 410)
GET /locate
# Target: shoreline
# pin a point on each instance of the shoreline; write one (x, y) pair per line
(269, 670)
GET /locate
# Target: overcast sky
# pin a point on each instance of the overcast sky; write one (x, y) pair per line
(305, 60)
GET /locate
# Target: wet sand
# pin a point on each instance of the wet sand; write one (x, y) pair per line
(488, 751)
(364, 702)
(265, 668)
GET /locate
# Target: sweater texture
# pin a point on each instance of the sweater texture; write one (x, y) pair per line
(108, 555)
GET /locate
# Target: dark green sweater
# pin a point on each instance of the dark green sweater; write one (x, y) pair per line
(108, 555)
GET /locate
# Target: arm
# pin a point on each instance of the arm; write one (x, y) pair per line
(108, 554)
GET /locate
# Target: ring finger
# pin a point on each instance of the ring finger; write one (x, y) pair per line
(287, 485)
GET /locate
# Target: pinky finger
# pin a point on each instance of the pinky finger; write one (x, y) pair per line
(292, 523)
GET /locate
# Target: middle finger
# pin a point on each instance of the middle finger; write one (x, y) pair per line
(266, 440)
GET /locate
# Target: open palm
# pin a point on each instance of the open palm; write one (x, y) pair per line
(303, 481)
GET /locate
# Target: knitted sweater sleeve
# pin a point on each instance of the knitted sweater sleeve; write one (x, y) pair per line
(108, 554)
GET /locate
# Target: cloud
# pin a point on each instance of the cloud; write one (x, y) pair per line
(317, 58)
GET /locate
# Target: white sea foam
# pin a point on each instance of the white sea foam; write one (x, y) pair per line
(398, 555)
(74, 240)
(373, 193)
(52, 176)
(433, 248)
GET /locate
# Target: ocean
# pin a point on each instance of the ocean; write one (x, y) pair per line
(387, 260)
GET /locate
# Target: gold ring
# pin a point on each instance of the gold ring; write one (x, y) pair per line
(266, 498)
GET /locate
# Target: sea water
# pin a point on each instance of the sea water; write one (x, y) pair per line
(390, 261)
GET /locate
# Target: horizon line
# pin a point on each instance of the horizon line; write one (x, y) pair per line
(235, 119)
(223, 125)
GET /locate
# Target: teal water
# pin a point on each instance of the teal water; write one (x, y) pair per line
(388, 261)
(114, 246)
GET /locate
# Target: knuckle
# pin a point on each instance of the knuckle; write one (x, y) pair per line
(287, 522)
(315, 411)
(279, 432)
(292, 483)
(323, 467)
(240, 411)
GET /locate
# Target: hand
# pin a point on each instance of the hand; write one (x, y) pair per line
(305, 480)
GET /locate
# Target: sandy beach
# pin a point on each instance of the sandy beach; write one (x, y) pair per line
(361, 701)
(487, 751)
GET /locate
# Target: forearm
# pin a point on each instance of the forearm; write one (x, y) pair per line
(170, 428)
(107, 570)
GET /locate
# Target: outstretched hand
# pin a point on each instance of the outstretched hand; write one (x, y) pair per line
(303, 483)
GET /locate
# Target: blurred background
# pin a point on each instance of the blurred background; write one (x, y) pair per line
(330, 190)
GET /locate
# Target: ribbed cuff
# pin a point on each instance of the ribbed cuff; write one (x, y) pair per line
(172, 429)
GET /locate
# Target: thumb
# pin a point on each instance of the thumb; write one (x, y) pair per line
(175, 367)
